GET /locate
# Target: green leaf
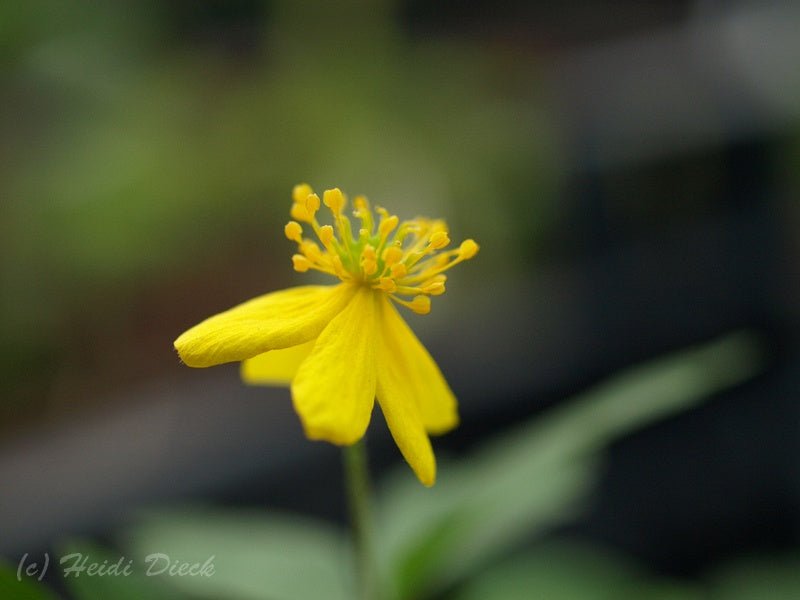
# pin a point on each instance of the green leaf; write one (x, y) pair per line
(24, 589)
(532, 478)
(255, 555)
(569, 571)
(755, 578)
(134, 586)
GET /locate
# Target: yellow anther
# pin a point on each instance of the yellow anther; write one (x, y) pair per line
(387, 225)
(360, 203)
(392, 255)
(300, 192)
(403, 259)
(435, 285)
(468, 249)
(326, 235)
(420, 305)
(438, 240)
(369, 260)
(368, 253)
(301, 263)
(387, 284)
(364, 213)
(293, 231)
(370, 267)
(435, 288)
(399, 271)
(299, 212)
(311, 251)
(334, 200)
(312, 204)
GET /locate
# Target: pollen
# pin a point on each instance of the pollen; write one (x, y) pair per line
(404, 259)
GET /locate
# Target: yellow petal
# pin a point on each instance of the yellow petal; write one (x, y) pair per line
(437, 404)
(276, 367)
(334, 389)
(277, 320)
(399, 405)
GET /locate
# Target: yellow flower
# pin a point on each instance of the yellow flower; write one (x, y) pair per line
(341, 346)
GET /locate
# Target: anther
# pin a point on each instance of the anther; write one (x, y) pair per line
(368, 253)
(392, 255)
(387, 225)
(435, 285)
(434, 288)
(299, 212)
(361, 203)
(468, 249)
(311, 251)
(312, 204)
(438, 240)
(334, 200)
(370, 267)
(300, 192)
(293, 231)
(420, 305)
(369, 260)
(326, 235)
(387, 284)
(301, 263)
(399, 271)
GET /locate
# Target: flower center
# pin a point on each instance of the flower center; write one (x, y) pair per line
(406, 260)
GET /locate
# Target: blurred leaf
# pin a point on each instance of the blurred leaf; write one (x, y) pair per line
(27, 589)
(96, 587)
(758, 578)
(255, 556)
(534, 477)
(568, 571)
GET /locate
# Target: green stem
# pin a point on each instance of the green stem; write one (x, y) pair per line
(358, 497)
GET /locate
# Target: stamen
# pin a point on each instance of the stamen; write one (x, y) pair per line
(363, 212)
(312, 204)
(387, 284)
(420, 304)
(326, 235)
(392, 255)
(334, 200)
(300, 192)
(369, 260)
(387, 225)
(301, 263)
(468, 249)
(404, 260)
(438, 240)
(300, 213)
(434, 286)
(293, 231)
(399, 271)
(311, 251)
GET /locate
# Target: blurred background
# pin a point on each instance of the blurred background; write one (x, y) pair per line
(631, 171)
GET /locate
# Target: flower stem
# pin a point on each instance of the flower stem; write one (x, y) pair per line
(358, 498)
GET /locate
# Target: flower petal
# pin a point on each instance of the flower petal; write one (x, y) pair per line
(334, 389)
(400, 406)
(277, 320)
(437, 404)
(276, 367)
